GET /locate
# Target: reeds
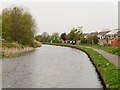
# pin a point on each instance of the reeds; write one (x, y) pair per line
(14, 49)
(13, 52)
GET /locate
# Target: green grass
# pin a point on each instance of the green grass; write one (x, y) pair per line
(107, 70)
(109, 49)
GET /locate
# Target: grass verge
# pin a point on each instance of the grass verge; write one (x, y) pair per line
(108, 72)
(109, 49)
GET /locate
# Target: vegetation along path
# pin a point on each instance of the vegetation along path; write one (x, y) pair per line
(112, 58)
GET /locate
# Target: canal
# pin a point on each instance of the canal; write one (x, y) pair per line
(50, 67)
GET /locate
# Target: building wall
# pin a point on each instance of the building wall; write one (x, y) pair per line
(116, 42)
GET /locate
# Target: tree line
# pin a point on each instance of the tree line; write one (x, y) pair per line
(18, 25)
(75, 34)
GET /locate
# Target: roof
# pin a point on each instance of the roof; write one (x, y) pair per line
(94, 33)
(103, 32)
(85, 34)
(113, 32)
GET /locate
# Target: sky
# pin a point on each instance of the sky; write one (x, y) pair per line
(61, 16)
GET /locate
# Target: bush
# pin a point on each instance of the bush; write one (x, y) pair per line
(89, 40)
(57, 41)
(12, 45)
(36, 44)
(95, 39)
(83, 40)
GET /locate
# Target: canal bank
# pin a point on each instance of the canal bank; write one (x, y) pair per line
(14, 49)
(108, 73)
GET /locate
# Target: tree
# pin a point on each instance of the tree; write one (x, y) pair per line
(38, 38)
(44, 37)
(16, 17)
(89, 39)
(63, 36)
(18, 25)
(0, 25)
(44, 34)
(55, 38)
(72, 34)
(78, 32)
(75, 33)
(6, 24)
(83, 40)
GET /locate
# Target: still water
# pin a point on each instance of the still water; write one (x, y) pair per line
(50, 67)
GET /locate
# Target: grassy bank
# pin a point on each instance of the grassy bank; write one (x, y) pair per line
(109, 49)
(10, 50)
(106, 70)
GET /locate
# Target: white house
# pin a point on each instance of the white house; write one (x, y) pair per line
(113, 34)
(102, 35)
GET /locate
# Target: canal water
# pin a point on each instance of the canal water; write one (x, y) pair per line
(50, 67)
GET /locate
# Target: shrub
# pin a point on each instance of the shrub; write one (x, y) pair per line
(57, 41)
(83, 40)
(89, 40)
(36, 44)
(95, 39)
(12, 45)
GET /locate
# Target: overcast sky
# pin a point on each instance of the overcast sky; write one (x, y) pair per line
(63, 16)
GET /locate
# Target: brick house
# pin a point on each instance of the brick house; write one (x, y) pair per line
(114, 36)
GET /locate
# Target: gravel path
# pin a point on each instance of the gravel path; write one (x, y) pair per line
(114, 59)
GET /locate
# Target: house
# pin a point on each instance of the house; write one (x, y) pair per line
(114, 37)
(116, 42)
(113, 34)
(90, 34)
(102, 34)
(93, 33)
(103, 38)
(109, 37)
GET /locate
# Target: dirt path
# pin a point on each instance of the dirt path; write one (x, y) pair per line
(112, 58)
